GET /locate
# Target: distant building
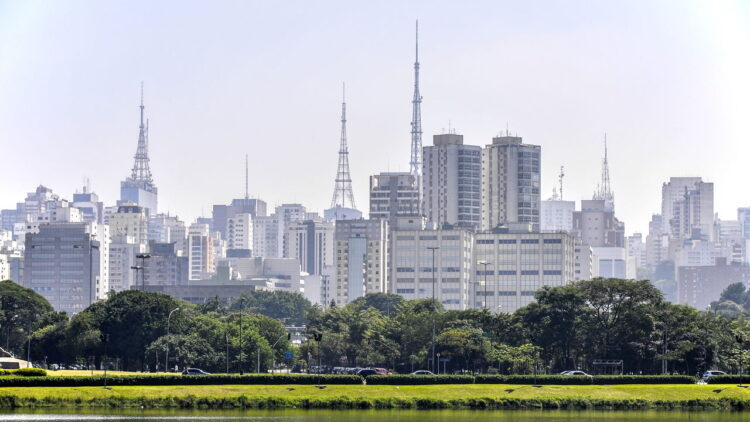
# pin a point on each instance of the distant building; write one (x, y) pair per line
(266, 237)
(165, 228)
(122, 253)
(239, 233)
(452, 182)
(698, 286)
(596, 225)
(130, 220)
(511, 179)
(165, 267)
(393, 195)
(312, 243)
(139, 187)
(201, 252)
(91, 208)
(688, 208)
(557, 215)
(637, 249)
(67, 263)
(222, 213)
(361, 259)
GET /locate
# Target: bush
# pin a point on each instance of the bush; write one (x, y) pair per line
(255, 379)
(583, 380)
(419, 379)
(729, 379)
(27, 372)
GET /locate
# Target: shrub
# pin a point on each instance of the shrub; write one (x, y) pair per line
(28, 372)
(729, 379)
(254, 379)
(419, 379)
(583, 380)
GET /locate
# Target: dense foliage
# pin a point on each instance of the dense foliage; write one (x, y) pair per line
(566, 327)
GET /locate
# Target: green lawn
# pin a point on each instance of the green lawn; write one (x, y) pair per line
(333, 396)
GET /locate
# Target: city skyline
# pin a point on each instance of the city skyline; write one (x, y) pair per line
(88, 124)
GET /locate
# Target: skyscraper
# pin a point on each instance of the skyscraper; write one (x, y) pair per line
(393, 195)
(139, 188)
(511, 179)
(687, 208)
(452, 182)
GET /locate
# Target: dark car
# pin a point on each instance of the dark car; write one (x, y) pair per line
(194, 371)
(367, 372)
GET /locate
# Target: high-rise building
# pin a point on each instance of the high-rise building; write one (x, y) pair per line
(312, 243)
(266, 237)
(511, 178)
(393, 195)
(688, 208)
(165, 228)
(285, 215)
(657, 242)
(67, 263)
(413, 266)
(637, 249)
(596, 225)
(517, 265)
(88, 203)
(122, 257)
(557, 215)
(452, 182)
(201, 252)
(698, 286)
(139, 188)
(361, 258)
(130, 220)
(221, 213)
(166, 267)
(240, 232)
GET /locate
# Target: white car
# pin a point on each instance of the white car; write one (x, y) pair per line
(577, 373)
(710, 374)
(422, 372)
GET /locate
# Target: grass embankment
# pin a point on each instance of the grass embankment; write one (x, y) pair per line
(383, 397)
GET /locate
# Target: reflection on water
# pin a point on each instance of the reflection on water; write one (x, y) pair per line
(371, 416)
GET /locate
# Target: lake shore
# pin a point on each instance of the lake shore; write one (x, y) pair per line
(617, 397)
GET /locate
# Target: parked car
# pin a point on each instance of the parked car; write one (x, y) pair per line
(382, 371)
(367, 372)
(575, 373)
(422, 372)
(710, 374)
(194, 371)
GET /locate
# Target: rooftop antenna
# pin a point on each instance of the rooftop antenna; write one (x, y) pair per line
(560, 177)
(247, 195)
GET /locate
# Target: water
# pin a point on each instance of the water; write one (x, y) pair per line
(370, 416)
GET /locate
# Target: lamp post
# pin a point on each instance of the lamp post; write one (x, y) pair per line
(485, 264)
(166, 360)
(432, 356)
(273, 355)
(241, 306)
(136, 268)
(92, 285)
(143, 257)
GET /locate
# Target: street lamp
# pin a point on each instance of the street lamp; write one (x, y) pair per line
(241, 307)
(143, 257)
(433, 249)
(166, 361)
(136, 268)
(485, 264)
(92, 285)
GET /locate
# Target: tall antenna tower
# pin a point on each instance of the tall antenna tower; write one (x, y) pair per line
(604, 190)
(141, 171)
(342, 192)
(247, 195)
(415, 164)
(560, 178)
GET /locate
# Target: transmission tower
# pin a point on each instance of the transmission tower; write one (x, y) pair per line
(342, 192)
(416, 119)
(141, 171)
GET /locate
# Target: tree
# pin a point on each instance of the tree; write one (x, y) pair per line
(184, 351)
(386, 303)
(22, 311)
(292, 308)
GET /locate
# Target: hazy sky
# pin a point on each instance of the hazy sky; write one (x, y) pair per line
(669, 81)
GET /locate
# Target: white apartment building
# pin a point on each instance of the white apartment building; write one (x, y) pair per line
(122, 253)
(519, 264)
(511, 179)
(312, 243)
(266, 237)
(201, 252)
(451, 182)
(361, 258)
(240, 231)
(557, 215)
(687, 207)
(447, 277)
(393, 195)
(165, 228)
(130, 220)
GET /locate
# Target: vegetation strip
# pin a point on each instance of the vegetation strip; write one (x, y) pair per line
(667, 397)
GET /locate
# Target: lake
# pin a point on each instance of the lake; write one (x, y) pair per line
(370, 416)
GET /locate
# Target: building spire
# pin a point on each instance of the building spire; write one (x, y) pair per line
(342, 191)
(415, 164)
(141, 171)
(604, 191)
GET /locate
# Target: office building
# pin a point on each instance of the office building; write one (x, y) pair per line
(165, 228)
(556, 215)
(688, 208)
(166, 266)
(413, 267)
(201, 252)
(312, 243)
(130, 220)
(698, 286)
(392, 195)
(122, 257)
(518, 264)
(222, 213)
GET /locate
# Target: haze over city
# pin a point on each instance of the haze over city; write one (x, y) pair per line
(667, 82)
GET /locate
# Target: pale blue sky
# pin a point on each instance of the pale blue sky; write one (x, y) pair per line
(667, 80)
